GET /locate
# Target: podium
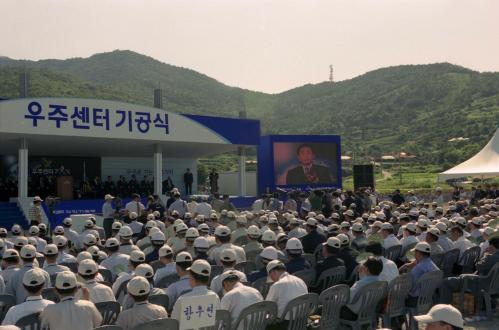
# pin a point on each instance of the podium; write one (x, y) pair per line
(65, 187)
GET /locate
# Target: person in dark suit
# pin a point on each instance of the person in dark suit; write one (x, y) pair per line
(313, 238)
(308, 172)
(188, 180)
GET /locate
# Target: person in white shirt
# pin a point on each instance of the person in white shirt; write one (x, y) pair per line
(390, 270)
(134, 225)
(116, 262)
(389, 239)
(198, 280)
(222, 234)
(228, 260)
(72, 236)
(203, 208)
(34, 231)
(10, 265)
(169, 267)
(409, 233)
(88, 269)
(135, 206)
(179, 205)
(126, 243)
(33, 282)
(237, 295)
(240, 231)
(295, 229)
(137, 257)
(460, 242)
(286, 287)
(50, 266)
(108, 213)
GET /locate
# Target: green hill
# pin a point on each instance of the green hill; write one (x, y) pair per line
(411, 108)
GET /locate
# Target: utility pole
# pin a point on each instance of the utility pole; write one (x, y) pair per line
(331, 75)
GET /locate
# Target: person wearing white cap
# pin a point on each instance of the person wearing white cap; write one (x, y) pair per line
(296, 262)
(15, 285)
(241, 230)
(486, 234)
(72, 236)
(177, 242)
(34, 232)
(389, 239)
(126, 244)
(201, 246)
(313, 237)
(423, 264)
(183, 261)
(460, 242)
(295, 229)
(33, 282)
(165, 257)
(135, 205)
(390, 270)
(359, 241)
(330, 251)
(253, 246)
(142, 311)
(157, 241)
(35, 212)
(137, 257)
(88, 270)
(150, 227)
(228, 259)
(443, 239)
(108, 213)
(475, 226)
(199, 277)
(409, 235)
(70, 313)
(179, 205)
(135, 225)
(115, 229)
(237, 295)
(50, 266)
(442, 317)
(222, 234)
(203, 208)
(190, 236)
(432, 238)
(116, 261)
(286, 287)
(146, 271)
(267, 255)
(347, 254)
(10, 265)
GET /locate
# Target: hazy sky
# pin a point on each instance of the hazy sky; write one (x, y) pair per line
(265, 45)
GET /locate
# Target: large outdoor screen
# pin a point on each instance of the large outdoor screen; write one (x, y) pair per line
(305, 163)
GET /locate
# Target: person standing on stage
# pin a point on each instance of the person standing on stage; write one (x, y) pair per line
(188, 180)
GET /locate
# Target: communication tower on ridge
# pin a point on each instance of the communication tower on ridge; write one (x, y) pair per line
(331, 76)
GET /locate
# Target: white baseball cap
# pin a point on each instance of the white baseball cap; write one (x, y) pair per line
(89, 239)
(204, 228)
(144, 270)
(349, 213)
(137, 256)
(158, 236)
(16, 229)
(65, 280)
(151, 224)
(269, 253)
(21, 241)
(357, 227)
(138, 286)
(241, 220)
(386, 226)
(200, 267)
(228, 255)
(59, 230)
(50, 250)
(333, 242)
(192, 233)
(10, 253)
(442, 313)
(28, 251)
(411, 227)
(254, 231)
(434, 231)
(60, 241)
(294, 244)
(116, 225)
(83, 255)
(222, 231)
(344, 240)
(89, 223)
(441, 226)
(183, 257)
(34, 277)
(269, 236)
(312, 222)
(108, 196)
(273, 265)
(87, 267)
(165, 251)
(111, 242)
(231, 273)
(34, 230)
(67, 221)
(422, 247)
(125, 232)
(132, 215)
(201, 243)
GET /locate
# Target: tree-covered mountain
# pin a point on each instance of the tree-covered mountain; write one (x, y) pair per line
(411, 108)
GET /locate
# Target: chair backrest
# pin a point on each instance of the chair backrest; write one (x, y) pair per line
(109, 327)
(398, 289)
(156, 264)
(332, 300)
(310, 258)
(469, 259)
(262, 285)
(449, 259)
(160, 324)
(245, 267)
(493, 279)
(122, 290)
(298, 309)
(393, 252)
(107, 275)
(331, 277)
(73, 266)
(51, 294)
(222, 321)
(109, 311)
(256, 316)
(318, 254)
(6, 302)
(307, 275)
(30, 322)
(241, 240)
(427, 284)
(167, 280)
(160, 299)
(369, 296)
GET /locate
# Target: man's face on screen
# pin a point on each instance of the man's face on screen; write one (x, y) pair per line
(306, 156)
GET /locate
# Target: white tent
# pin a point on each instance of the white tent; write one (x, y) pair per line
(485, 164)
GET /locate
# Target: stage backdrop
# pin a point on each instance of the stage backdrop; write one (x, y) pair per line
(300, 162)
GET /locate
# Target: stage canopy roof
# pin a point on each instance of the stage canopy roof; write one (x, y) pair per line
(485, 164)
(88, 127)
